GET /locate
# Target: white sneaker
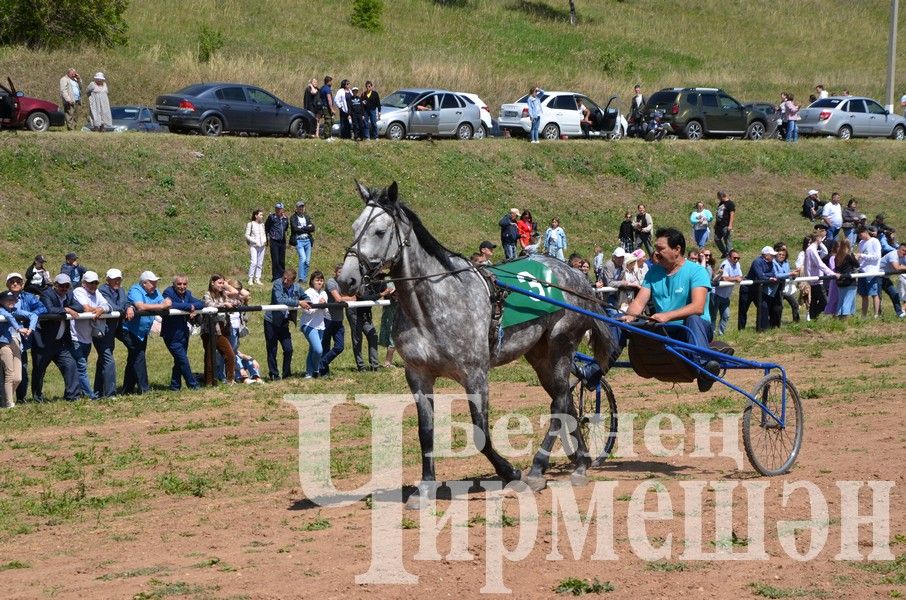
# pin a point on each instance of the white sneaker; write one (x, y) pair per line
(250, 283)
(307, 376)
(258, 282)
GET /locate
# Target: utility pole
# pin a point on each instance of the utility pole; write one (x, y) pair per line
(891, 52)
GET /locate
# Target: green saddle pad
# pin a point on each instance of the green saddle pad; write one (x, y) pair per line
(530, 275)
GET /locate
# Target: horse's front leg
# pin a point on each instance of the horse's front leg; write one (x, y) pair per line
(476, 385)
(422, 386)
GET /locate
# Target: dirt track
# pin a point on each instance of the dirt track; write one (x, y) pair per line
(274, 544)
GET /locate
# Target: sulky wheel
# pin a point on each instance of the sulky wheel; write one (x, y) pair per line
(773, 449)
(597, 416)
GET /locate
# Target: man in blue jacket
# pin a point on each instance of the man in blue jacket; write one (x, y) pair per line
(72, 268)
(10, 350)
(26, 301)
(509, 233)
(175, 331)
(105, 369)
(276, 323)
(762, 269)
(54, 342)
(144, 296)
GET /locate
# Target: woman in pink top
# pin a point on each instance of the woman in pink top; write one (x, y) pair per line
(790, 110)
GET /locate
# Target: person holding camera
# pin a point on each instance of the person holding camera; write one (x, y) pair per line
(71, 95)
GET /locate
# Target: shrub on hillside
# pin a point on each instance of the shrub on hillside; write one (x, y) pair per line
(53, 24)
(209, 42)
(366, 14)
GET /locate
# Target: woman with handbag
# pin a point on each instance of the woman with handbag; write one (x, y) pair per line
(220, 294)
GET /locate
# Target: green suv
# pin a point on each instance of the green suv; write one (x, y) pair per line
(694, 113)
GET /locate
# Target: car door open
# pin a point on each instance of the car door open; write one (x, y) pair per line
(425, 115)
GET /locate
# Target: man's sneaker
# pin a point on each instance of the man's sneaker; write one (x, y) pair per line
(901, 315)
(705, 382)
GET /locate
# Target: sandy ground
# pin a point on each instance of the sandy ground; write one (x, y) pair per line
(269, 544)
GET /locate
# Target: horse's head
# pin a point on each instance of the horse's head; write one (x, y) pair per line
(378, 238)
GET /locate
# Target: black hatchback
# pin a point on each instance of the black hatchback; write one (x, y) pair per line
(214, 108)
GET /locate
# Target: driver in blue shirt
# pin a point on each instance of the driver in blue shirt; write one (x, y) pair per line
(679, 290)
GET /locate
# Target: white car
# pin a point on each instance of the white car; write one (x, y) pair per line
(487, 123)
(561, 115)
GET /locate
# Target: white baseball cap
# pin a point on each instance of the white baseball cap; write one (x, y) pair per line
(619, 252)
(768, 250)
(62, 279)
(813, 192)
(14, 275)
(90, 277)
(114, 274)
(148, 276)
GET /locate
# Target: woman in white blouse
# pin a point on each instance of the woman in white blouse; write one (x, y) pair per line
(257, 241)
(311, 322)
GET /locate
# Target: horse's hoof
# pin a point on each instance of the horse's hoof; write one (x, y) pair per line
(578, 479)
(536, 484)
(416, 502)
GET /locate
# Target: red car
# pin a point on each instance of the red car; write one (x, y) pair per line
(18, 110)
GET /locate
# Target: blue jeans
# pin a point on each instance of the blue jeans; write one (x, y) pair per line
(832, 234)
(509, 250)
(303, 249)
(178, 347)
(80, 352)
(332, 343)
(701, 237)
(723, 312)
(371, 128)
(536, 122)
(792, 132)
(315, 349)
(105, 367)
(851, 236)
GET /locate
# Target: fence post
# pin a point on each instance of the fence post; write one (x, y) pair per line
(209, 337)
(759, 297)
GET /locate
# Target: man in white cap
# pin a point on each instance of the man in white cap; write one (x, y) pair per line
(612, 272)
(143, 296)
(760, 294)
(105, 369)
(812, 205)
(52, 340)
(32, 303)
(85, 331)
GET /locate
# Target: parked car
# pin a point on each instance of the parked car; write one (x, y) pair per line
(132, 118)
(215, 108)
(560, 115)
(18, 110)
(487, 121)
(850, 116)
(420, 112)
(771, 113)
(694, 113)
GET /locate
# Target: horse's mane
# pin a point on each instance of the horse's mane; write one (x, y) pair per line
(428, 241)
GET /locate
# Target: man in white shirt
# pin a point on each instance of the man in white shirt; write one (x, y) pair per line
(732, 272)
(822, 93)
(832, 215)
(84, 331)
(870, 262)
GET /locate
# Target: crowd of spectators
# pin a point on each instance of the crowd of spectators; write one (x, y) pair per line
(840, 244)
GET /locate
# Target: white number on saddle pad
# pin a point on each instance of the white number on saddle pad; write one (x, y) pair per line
(530, 280)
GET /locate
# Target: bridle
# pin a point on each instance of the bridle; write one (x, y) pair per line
(370, 269)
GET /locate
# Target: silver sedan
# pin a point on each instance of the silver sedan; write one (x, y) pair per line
(850, 116)
(423, 112)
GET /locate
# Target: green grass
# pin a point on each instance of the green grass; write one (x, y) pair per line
(578, 587)
(498, 48)
(768, 591)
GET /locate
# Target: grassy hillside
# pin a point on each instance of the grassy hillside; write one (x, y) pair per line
(179, 203)
(497, 48)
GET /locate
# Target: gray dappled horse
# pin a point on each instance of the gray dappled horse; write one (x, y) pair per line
(443, 322)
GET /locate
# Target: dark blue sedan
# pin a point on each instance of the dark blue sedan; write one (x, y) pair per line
(214, 108)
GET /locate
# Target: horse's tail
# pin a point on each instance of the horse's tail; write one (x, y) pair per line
(602, 343)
